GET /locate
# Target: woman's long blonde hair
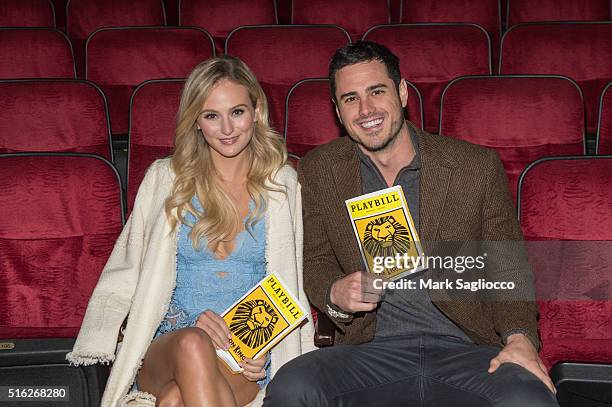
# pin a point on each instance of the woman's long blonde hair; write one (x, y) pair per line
(193, 166)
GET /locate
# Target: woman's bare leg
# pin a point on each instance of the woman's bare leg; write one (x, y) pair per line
(244, 390)
(187, 357)
(170, 396)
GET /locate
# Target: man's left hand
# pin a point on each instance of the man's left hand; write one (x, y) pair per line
(521, 351)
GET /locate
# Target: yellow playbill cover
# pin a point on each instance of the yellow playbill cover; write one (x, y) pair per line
(259, 320)
(384, 228)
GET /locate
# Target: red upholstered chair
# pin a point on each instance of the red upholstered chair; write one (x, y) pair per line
(485, 13)
(119, 59)
(60, 215)
(54, 115)
(86, 16)
(431, 55)
(35, 53)
(220, 17)
(522, 117)
(356, 16)
(566, 214)
(310, 116)
(27, 13)
(282, 55)
(525, 11)
(153, 114)
(604, 127)
(581, 51)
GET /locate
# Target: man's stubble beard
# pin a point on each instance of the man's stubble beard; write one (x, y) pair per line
(388, 142)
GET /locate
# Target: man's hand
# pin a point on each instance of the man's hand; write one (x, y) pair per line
(254, 368)
(521, 351)
(356, 292)
(216, 328)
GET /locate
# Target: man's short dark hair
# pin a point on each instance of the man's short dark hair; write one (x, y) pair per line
(363, 51)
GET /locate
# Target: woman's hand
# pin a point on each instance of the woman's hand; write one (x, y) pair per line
(216, 328)
(254, 369)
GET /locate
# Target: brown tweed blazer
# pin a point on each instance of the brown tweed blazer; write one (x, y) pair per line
(464, 196)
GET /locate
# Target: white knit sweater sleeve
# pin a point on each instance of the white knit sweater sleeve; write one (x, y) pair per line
(112, 297)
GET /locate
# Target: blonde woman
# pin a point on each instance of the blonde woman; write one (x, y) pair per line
(208, 223)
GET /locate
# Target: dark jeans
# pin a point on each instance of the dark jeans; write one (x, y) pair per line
(405, 371)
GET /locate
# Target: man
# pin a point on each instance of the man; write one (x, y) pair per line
(407, 347)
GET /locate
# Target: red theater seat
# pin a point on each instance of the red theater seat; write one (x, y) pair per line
(356, 16)
(581, 51)
(54, 115)
(310, 116)
(59, 219)
(35, 53)
(220, 17)
(153, 114)
(280, 56)
(86, 16)
(27, 13)
(522, 117)
(604, 127)
(525, 11)
(431, 55)
(119, 59)
(565, 213)
(485, 13)
(60, 215)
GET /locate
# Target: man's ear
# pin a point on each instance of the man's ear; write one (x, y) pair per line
(403, 92)
(337, 111)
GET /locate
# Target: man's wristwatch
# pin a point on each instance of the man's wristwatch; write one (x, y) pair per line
(336, 314)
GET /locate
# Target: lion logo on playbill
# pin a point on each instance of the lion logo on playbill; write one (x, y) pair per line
(385, 237)
(253, 322)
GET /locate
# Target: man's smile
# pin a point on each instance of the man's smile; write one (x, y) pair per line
(372, 124)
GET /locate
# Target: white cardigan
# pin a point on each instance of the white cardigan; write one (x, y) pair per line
(140, 276)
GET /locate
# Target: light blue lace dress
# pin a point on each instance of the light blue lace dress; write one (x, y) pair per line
(205, 282)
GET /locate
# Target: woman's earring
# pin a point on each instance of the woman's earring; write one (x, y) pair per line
(198, 128)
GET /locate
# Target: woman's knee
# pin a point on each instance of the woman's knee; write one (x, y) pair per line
(193, 341)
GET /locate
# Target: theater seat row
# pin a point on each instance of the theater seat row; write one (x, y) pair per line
(522, 117)
(358, 15)
(119, 59)
(60, 214)
(80, 18)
